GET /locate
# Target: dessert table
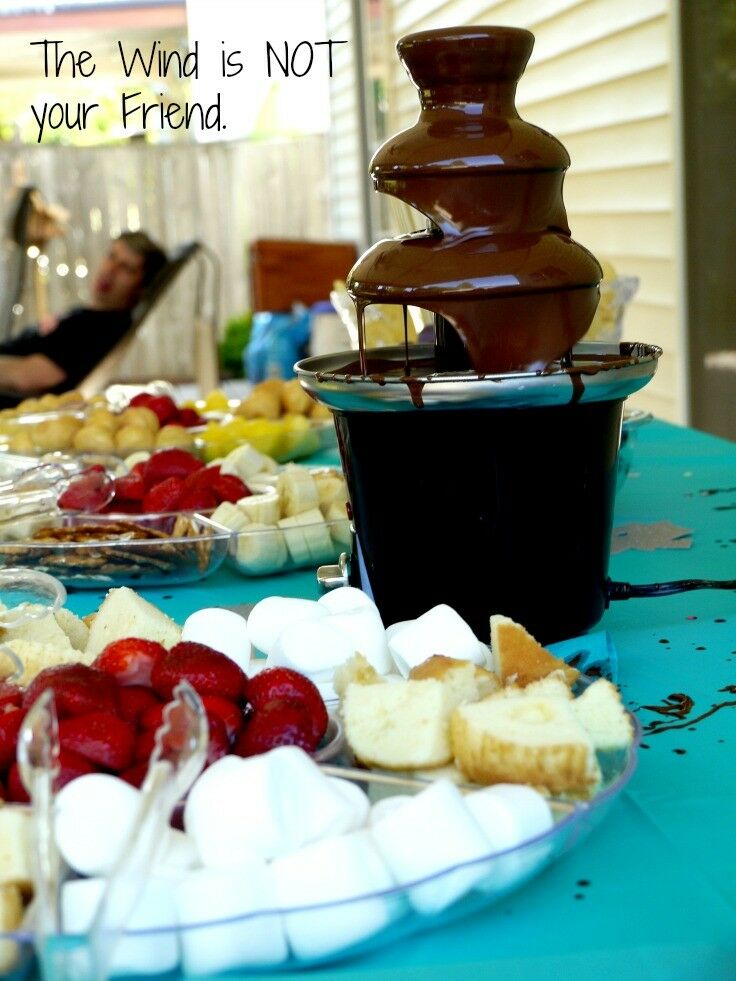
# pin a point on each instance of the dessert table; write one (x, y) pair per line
(652, 892)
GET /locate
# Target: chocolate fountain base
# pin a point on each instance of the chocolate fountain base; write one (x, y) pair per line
(490, 511)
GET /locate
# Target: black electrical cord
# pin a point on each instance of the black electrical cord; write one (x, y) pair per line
(629, 590)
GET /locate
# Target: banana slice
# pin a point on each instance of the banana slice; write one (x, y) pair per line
(339, 525)
(331, 487)
(308, 538)
(231, 516)
(264, 508)
(298, 491)
(261, 549)
(246, 461)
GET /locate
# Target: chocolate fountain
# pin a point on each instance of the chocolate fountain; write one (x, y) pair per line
(481, 470)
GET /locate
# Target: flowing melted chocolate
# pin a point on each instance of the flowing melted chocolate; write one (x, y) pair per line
(497, 261)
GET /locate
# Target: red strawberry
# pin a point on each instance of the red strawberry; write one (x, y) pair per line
(11, 696)
(88, 492)
(100, 737)
(202, 479)
(283, 683)
(170, 463)
(139, 468)
(197, 499)
(16, 791)
(142, 398)
(190, 417)
(228, 712)
(77, 690)
(164, 407)
(134, 701)
(122, 507)
(228, 487)
(152, 717)
(131, 487)
(208, 671)
(9, 725)
(144, 743)
(129, 660)
(164, 496)
(71, 766)
(280, 723)
(218, 745)
(136, 774)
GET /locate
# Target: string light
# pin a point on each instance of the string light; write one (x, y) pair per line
(80, 270)
(33, 252)
(62, 269)
(42, 261)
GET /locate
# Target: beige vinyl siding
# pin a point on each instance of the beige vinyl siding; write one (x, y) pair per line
(600, 78)
(345, 167)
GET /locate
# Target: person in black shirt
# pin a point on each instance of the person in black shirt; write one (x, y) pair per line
(58, 354)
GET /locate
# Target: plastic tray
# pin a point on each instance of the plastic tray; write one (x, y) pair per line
(117, 561)
(271, 550)
(296, 937)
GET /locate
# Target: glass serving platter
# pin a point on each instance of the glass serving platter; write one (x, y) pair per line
(345, 924)
(90, 551)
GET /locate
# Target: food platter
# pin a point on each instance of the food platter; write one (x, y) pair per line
(341, 923)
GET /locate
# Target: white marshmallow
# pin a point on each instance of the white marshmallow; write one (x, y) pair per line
(385, 806)
(314, 648)
(438, 631)
(331, 871)
(509, 815)
(356, 798)
(364, 629)
(269, 617)
(428, 834)
(223, 630)
(264, 806)
(395, 628)
(142, 955)
(209, 895)
(346, 598)
(94, 816)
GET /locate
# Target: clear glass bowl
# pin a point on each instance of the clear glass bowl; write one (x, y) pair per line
(268, 551)
(349, 926)
(111, 556)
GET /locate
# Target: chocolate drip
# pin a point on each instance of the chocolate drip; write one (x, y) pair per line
(679, 706)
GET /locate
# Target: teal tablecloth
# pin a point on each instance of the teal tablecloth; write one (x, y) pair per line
(652, 892)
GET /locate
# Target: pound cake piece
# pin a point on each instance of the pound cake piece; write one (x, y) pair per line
(126, 614)
(400, 726)
(517, 657)
(601, 712)
(35, 658)
(356, 670)
(466, 681)
(11, 916)
(44, 630)
(532, 739)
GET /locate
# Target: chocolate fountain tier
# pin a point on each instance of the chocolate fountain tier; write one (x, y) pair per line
(498, 263)
(598, 372)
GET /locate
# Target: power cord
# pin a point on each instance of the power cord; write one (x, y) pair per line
(628, 590)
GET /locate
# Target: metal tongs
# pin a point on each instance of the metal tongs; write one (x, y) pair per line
(178, 757)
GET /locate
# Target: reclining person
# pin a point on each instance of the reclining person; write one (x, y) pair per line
(57, 354)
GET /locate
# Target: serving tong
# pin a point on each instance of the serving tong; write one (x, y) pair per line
(35, 492)
(179, 753)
